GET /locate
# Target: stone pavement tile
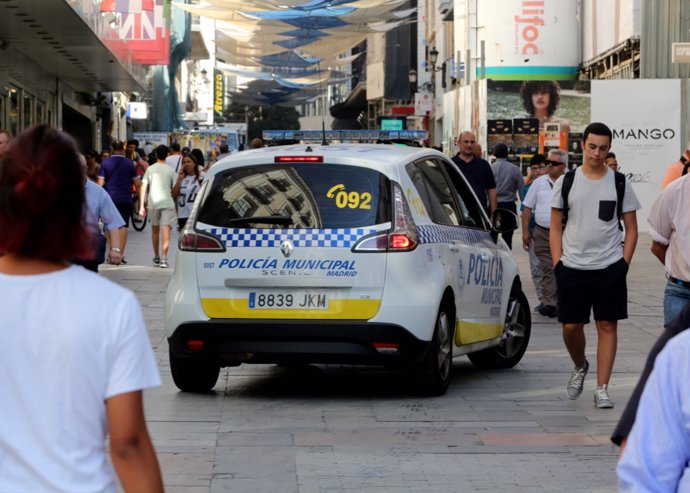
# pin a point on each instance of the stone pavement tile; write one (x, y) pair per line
(222, 483)
(246, 439)
(534, 438)
(187, 489)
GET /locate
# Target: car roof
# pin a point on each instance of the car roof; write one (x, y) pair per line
(385, 158)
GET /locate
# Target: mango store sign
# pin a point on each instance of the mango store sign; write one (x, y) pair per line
(646, 135)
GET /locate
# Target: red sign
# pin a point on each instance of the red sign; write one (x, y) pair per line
(143, 36)
(402, 110)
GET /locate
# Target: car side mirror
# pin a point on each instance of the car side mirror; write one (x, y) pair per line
(503, 221)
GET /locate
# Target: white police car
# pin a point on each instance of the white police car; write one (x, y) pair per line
(352, 253)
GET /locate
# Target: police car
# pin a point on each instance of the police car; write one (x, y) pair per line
(343, 253)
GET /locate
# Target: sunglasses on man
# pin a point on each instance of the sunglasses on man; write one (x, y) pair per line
(553, 163)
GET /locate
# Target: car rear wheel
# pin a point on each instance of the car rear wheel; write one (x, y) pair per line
(516, 334)
(193, 375)
(436, 367)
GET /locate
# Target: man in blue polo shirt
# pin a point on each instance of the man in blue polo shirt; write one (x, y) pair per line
(118, 174)
(477, 172)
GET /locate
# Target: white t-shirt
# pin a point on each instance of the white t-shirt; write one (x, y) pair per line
(175, 161)
(669, 221)
(189, 188)
(538, 199)
(70, 340)
(592, 239)
(159, 179)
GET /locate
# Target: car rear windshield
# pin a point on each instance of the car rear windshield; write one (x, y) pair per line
(297, 196)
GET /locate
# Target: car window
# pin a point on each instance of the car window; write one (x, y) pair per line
(435, 191)
(305, 195)
(469, 207)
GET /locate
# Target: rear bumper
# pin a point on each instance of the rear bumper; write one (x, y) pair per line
(230, 342)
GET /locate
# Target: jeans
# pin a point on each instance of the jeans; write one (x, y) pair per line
(675, 298)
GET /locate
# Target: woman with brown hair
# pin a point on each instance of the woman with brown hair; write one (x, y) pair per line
(186, 188)
(79, 336)
(540, 99)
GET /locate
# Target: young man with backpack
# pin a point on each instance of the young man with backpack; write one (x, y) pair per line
(590, 262)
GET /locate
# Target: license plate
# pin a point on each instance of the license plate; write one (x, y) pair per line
(290, 300)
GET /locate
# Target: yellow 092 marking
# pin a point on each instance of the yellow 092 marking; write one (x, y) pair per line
(350, 200)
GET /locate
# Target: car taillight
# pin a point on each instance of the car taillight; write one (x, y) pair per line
(400, 242)
(402, 237)
(197, 241)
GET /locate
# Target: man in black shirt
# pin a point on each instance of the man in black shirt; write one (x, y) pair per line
(477, 172)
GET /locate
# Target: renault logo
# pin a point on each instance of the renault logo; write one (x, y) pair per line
(287, 248)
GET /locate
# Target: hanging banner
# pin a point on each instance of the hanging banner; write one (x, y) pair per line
(646, 135)
(422, 103)
(218, 95)
(126, 5)
(141, 35)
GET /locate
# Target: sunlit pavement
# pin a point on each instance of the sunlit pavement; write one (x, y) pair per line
(340, 429)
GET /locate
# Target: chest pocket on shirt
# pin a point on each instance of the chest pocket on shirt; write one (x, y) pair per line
(607, 208)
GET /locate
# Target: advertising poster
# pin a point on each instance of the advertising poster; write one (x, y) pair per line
(218, 94)
(499, 131)
(644, 116)
(544, 112)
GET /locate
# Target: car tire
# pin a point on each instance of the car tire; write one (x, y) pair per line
(193, 375)
(435, 369)
(516, 334)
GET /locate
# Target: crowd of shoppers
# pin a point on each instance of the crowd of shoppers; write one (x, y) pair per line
(570, 221)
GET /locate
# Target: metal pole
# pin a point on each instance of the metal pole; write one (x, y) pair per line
(483, 59)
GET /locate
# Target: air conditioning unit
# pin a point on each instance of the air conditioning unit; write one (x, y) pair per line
(445, 6)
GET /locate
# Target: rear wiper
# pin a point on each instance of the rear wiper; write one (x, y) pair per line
(281, 220)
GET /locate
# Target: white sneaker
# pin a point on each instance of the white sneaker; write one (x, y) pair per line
(602, 399)
(577, 381)
(164, 263)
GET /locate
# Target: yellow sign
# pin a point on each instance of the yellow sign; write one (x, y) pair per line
(351, 200)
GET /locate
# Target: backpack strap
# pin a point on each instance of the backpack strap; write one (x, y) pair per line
(568, 180)
(620, 195)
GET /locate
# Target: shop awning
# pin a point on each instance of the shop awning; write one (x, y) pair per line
(62, 40)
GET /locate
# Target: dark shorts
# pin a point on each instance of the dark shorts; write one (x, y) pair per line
(126, 209)
(603, 291)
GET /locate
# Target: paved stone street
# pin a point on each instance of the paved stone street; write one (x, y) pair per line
(337, 429)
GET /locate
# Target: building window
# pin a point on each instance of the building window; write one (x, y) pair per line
(13, 111)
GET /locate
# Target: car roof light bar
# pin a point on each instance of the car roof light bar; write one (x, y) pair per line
(345, 135)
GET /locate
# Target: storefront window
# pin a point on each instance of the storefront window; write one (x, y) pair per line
(28, 107)
(40, 112)
(3, 105)
(13, 111)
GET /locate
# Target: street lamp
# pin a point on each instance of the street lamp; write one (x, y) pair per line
(412, 77)
(433, 58)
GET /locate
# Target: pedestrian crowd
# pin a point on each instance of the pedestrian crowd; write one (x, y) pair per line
(579, 227)
(580, 230)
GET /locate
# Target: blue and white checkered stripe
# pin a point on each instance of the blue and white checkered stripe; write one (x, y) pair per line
(449, 234)
(329, 238)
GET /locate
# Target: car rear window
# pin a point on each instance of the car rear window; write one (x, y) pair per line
(300, 195)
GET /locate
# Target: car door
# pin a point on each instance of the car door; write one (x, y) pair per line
(463, 250)
(484, 269)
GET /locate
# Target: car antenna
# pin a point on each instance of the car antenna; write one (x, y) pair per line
(324, 142)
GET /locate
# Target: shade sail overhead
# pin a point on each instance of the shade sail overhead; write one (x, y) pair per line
(293, 44)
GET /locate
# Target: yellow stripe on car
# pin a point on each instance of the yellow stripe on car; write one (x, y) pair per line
(337, 310)
(469, 332)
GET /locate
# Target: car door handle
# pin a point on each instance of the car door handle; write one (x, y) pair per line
(454, 248)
